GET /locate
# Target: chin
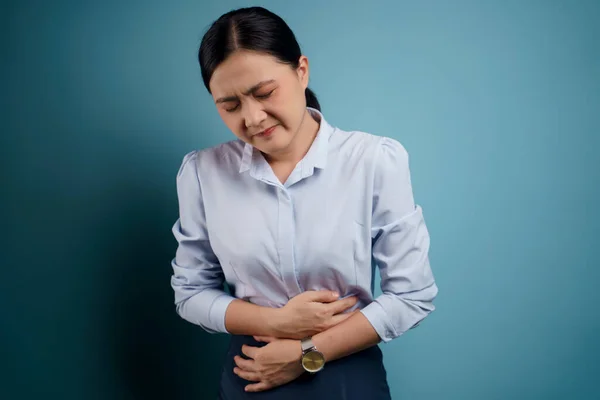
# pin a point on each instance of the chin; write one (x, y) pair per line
(273, 145)
(270, 148)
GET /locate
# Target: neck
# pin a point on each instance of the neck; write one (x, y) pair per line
(299, 145)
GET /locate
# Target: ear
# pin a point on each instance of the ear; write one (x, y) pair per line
(303, 71)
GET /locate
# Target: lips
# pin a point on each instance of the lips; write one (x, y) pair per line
(267, 132)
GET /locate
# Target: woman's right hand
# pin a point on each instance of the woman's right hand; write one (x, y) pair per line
(310, 313)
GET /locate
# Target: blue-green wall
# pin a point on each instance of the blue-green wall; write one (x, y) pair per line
(498, 104)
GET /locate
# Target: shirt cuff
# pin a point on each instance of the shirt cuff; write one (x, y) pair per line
(379, 319)
(392, 316)
(215, 318)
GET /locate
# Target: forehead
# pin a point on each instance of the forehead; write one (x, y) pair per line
(244, 69)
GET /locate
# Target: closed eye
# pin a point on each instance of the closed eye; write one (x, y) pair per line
(232, 109)
(264, 96)
(237, 103)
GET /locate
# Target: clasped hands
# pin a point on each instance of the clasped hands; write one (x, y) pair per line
(278, 362)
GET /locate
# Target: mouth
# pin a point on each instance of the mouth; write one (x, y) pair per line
(267, 132)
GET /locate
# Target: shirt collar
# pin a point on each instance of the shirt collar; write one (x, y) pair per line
(316, 156)
(246, 158)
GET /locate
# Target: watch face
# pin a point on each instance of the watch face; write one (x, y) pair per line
(313, 361)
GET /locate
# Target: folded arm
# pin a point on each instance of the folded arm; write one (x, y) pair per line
(198, 279)
(408, 291)
(401, 252)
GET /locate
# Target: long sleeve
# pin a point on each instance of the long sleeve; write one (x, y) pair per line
(400, 247)
(197, 278)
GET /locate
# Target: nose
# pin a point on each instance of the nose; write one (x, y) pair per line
(253, 114)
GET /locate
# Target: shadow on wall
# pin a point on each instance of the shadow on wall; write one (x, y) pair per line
(154, 354)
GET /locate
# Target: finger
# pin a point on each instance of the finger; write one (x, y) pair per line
(339, 318)
(342, 305)
(250, 351)
(265, 339)
(247, 365)
(258, 387)
(247, 375)
(321, 296)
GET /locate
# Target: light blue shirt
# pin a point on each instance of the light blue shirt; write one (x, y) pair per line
(347, 206)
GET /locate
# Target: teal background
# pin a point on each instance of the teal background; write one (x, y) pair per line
(498, 104)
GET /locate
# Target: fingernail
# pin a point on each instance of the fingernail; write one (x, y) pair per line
(334, 294)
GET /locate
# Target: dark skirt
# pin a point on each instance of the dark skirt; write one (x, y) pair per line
(359, 376)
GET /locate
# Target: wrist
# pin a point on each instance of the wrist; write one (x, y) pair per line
(274, 321)
(312, 358)
(322, 342)
(297, 344)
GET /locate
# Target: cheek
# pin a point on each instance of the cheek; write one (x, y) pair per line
(283, 106)
(232, 121)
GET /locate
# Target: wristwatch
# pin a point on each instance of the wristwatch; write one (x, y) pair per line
(312, 360)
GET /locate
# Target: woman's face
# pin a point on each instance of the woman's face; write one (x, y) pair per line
(261, 100)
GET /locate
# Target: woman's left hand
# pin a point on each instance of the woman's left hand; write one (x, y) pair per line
(270, 366)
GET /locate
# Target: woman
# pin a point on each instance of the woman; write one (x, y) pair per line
(291, 215)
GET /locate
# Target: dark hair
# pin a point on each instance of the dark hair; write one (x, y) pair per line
(251, 28)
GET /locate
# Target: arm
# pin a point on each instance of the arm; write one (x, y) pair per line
(197, 279)
(244, 318)
(304, 315)
(349, 337)
(197, 275)
(400, 249)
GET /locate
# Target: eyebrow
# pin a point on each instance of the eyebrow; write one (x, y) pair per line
(247, 92)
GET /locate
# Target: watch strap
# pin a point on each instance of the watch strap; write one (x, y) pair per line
(307, 344)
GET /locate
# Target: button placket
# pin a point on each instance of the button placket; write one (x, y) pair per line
(286, 242)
